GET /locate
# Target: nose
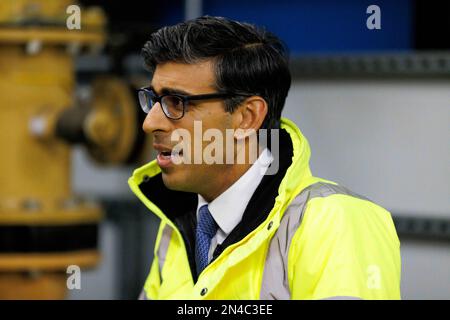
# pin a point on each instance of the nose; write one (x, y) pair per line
(156, 120)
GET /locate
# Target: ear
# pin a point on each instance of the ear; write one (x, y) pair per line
(251, 115)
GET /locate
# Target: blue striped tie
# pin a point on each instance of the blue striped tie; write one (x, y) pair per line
(206, 230)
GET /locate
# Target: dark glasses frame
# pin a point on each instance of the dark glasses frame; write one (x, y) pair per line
(149, 96)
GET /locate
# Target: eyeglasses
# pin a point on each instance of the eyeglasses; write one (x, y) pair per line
(174, 105)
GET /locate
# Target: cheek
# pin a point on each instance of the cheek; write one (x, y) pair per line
(200, 120)
(211, 114)
(198, 136)
(219, 120)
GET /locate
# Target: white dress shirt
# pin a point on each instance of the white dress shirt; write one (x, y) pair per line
(228, 208)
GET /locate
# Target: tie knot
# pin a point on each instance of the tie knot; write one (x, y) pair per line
(206, 223)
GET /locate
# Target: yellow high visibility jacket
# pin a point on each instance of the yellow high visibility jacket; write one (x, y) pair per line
(319, 241)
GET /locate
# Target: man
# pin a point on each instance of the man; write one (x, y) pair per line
(239, 230)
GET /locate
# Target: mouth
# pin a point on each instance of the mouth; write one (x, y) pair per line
(166, 156)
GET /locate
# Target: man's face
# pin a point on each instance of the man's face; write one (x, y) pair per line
(188, 79)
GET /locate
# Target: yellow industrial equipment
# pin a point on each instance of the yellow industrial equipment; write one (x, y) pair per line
(44, 227)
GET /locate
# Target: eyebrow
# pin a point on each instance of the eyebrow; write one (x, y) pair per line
(168, 90)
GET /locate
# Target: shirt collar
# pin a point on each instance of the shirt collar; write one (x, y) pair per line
(228, 208)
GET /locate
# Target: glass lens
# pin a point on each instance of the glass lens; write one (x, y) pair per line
(145, 101)
(173, 106)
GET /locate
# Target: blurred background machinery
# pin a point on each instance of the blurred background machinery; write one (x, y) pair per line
(44, 226)
(374, 105)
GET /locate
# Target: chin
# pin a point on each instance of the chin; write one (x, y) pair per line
(176, 181)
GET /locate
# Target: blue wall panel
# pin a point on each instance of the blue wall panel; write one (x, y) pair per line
(325, 26)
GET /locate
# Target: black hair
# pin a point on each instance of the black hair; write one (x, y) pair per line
(247, 59)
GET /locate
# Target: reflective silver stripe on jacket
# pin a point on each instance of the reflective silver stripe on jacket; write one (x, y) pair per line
(275, 284)
(143, 295)
(163, 248)
(161, 255)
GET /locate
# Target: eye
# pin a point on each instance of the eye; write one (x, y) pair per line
(175, 102)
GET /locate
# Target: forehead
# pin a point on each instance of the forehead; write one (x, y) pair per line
(192, 78)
